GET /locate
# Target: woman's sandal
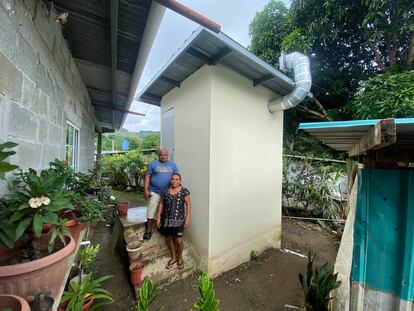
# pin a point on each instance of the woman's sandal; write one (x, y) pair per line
(170, 264)
(181, 264)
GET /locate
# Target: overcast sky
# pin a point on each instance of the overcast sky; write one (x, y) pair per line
(234, 17)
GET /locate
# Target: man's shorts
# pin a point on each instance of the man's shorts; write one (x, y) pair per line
(153, 202)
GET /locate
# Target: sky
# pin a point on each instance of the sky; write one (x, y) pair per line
(234, 17)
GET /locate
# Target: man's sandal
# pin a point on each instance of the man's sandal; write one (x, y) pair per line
(181, 264)
(147, 235)
(170, 264)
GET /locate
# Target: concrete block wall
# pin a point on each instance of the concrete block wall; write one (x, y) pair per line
(40, 88)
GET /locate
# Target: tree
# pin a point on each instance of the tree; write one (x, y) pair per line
(151, 141)
(386, 95)
(267, 30)
(134, 141)
(387, 29)
(347, 41)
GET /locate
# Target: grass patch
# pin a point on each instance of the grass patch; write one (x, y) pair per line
(132, 197)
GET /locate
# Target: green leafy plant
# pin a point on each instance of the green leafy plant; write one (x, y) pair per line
(317, 284)
(6, 166)
(38, 199)
(207, 302)
(7, 228)
(91, 210)
(126, 169)
(41, 300)
(80, 294)
(309, 188)
(147, 293)
(254, 255)
(7, 309)
(388, 95)
(87, 257)
(59, 230)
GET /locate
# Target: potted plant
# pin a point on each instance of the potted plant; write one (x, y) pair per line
(13, 303)
(86, 261)
(137, 272)
(36, 200)
(317, 285)
(82, 296)
(6, 229)
(41, 300)
(122, 208)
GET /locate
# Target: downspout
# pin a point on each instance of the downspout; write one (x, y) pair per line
(303, 81)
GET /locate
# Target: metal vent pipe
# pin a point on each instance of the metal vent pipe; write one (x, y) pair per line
(303, 81)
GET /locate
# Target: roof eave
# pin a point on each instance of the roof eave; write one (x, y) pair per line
(146, 97)
(151, 29)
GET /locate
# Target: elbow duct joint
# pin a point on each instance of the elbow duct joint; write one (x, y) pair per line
(300, 65)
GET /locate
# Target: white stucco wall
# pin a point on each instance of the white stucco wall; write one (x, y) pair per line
(228, 148)
(246, 171)
(192, 151)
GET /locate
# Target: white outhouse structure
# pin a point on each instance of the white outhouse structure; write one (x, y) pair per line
(216, 124)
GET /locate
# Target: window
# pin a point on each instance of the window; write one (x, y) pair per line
(72, 146)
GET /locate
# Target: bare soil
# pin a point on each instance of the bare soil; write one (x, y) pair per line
(265, 284)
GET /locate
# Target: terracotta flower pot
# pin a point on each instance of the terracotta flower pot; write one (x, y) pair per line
(137, 275)
(62, 306)
(122, 208)
(24, 278)
(70, 213)
(16, 303)
(75, 228)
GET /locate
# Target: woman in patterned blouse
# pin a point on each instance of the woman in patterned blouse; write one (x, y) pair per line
(173, 217)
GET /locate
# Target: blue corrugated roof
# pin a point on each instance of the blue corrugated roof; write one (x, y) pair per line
(343, 135)
(340, 124)
(206, 47)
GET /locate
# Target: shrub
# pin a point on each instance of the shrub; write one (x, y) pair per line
(126, 169)
(114, 167)
(317, 285)
(311, 186)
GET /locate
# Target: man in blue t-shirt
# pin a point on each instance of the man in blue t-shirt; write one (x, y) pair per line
(157, 179)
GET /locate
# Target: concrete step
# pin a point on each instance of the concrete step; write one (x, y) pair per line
(156, 254)
(156, 271)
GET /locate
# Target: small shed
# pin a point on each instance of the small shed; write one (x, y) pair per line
(375, 259)
(216, 124)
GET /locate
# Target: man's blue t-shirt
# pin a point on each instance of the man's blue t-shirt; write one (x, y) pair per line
(161, 173)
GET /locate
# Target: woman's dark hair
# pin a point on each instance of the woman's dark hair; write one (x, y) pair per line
(176, 174)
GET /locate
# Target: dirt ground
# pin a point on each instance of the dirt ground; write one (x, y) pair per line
(265, 284)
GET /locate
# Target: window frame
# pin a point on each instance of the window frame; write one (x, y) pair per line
(75, 143)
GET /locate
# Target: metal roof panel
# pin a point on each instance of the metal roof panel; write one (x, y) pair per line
(206, 47)
(343, 135)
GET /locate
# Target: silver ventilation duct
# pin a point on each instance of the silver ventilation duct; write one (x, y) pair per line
(303, 81)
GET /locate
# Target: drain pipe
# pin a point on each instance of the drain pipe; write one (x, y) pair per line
(303, 81)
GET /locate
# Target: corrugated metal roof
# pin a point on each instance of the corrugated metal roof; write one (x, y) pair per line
(88, 34)
(206, 47)
(343, 135)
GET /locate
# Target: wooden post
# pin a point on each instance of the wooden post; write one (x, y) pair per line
(381, 135)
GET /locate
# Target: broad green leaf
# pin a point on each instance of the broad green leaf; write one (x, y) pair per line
(22, 226)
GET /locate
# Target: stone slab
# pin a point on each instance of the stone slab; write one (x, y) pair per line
(136, 215)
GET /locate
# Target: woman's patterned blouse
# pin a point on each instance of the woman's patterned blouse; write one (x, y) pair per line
(174, 207)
